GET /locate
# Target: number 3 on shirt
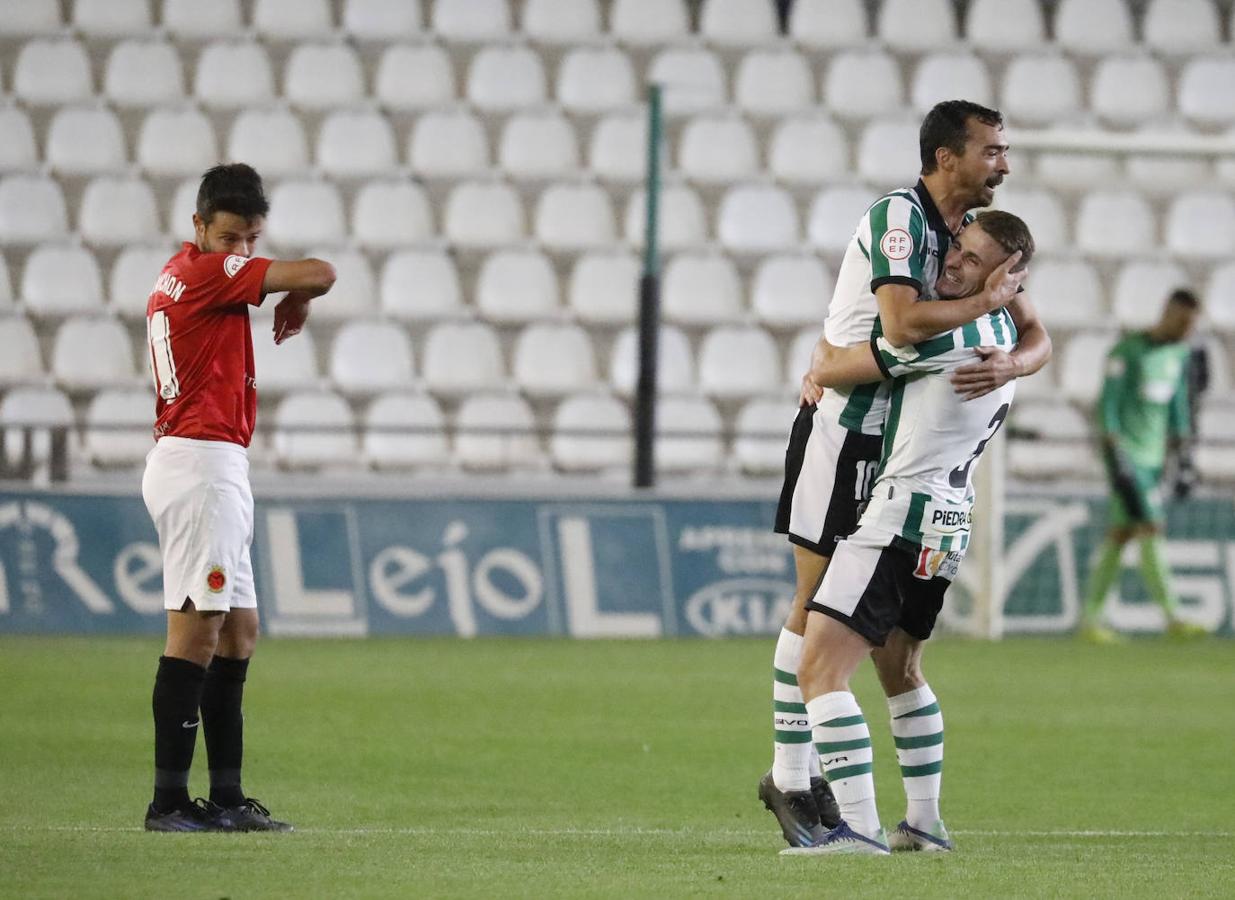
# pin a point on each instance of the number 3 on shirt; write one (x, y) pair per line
(162, 362)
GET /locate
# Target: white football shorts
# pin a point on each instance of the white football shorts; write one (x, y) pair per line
(197, 493)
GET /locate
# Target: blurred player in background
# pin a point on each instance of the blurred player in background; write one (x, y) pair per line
(1145, 410)
(886, 582)
(892, 260)
(196, 488)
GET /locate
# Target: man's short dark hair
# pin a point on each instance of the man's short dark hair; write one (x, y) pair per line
(1009, 232)
(946, 125)
(234, 188)
(1185, 297)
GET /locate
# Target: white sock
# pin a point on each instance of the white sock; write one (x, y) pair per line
(917, 726)
(844, 745)
(792, 749)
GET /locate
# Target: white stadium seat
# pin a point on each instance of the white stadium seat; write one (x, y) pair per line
(321, 76)
(1083, 363)
(692, 80)
(888, 152)
(52, 73)
(192, 19)
(368, 357)
(31, 17)
(305, 212)
(234, 76)
(272, 141)
(132, 277)
(1042, 212)
(1004, 25)
(292, 20)
(538, 146)
(484, 214)
(916, 25)
(760, 434)
(561, 21)
(757, 219)
(516, 286)
(381, 20)
(92, 352)
(738, 23)
(1128, 90)
(645, 22)
(688, 437)
(791, 291)
(683, 223)
(177, 142)
(448, 144)
(591, 432)
(6, 287)
(828, 24)
(604, 288)
(389, 215)
(118, 211)
(808, 150)
(797, 360)
(859, 84)
(1041, 88)
(289, 366)
(85, 141)
(411, 77)
(30, 413)
(1115, 223)
(1181, 26)
(1076, 172)
(475, 20)
(758, 373)
(1093, 27)
(62, 280)
(618, 150)
(1062, 443)
(701, 289)
(404, 430)
(501, 79)
(1067, 293)
(314, 429)
(421, 284)
(118, 423)
(358, 143)
(946, 76)
(573, 217)
(593, 80)
(31, 209)
(354, 295)
(834, 215)
(717, 150)
(180, 214)
(1141, 291)
(675, 364)
(496, 431)
(1160, 175)
(1220, 296)
(773, 83)
(461, 358)
(1204, 94)
(21, 362)
(17, 148)
(1201, 225)
(553, 359)
(1215, 457)
(144, 73)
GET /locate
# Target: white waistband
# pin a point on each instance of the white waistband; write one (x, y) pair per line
(198, 444)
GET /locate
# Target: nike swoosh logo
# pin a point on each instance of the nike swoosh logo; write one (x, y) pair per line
(188, 724)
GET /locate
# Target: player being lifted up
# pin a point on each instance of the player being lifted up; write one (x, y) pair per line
(196, 488)
(893, 260)
(886, 583)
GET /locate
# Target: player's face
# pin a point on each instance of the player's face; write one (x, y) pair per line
(983, 165)
(228, 233)
(1178, 321)
(970, 260)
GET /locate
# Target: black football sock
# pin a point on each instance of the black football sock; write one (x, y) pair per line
(177, 695)
(224, 724)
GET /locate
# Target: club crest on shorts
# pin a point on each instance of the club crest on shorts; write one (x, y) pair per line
(216, 579)
(936, 563)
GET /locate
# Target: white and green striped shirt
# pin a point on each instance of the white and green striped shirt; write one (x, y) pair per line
(923, 490)
(901, 239)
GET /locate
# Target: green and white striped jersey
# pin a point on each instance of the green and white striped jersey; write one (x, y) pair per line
(923, 489)
(901, 239)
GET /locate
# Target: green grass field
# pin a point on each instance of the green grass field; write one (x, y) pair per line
(555, 768)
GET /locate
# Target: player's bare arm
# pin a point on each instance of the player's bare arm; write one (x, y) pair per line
(996, 367)
(833, 367)
(303, 279)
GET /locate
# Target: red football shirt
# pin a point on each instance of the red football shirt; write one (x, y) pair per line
(201, 349)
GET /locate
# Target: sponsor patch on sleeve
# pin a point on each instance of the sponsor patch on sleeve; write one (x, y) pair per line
(234, 264)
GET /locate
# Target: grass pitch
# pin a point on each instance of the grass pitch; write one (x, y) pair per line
(555, 768)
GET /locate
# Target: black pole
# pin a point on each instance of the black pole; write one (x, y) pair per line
(649, 309)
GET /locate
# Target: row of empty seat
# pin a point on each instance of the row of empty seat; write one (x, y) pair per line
(1123, 90)
(1083, 26)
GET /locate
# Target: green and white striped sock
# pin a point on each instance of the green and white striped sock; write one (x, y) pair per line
(917, 727)
(844, 745)
(792, 750)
